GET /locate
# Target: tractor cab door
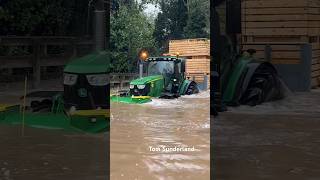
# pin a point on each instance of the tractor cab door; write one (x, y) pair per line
(183, 69)
(180, 70)
(176, 78)
(177, 70)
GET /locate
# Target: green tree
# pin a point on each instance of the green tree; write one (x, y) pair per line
(181, 19)
(42, 17)
(162, 25)
(170, 22)
(197, 20)
(131, 31)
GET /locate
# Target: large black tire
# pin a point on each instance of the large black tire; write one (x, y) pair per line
(265, 85)
(192, 88)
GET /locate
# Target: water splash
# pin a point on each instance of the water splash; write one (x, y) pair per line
(294, 102)
(182, 102)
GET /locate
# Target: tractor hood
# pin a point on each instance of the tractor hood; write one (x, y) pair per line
(95, 63)
(146, 80)
(152, 87)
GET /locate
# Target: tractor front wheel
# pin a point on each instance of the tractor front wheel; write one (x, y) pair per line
(192, 88)
(265, 85)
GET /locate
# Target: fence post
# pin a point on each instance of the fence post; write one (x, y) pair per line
(306, 62)
(121, 82)
(36, 67)
(267, 53)
(205, 82)
(74, 48)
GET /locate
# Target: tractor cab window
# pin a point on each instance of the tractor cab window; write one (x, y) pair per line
(177, 68)
(161, 67)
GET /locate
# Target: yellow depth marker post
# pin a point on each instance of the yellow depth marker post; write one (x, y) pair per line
(24, 104)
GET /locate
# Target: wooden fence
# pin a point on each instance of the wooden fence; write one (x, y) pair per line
(37, 53)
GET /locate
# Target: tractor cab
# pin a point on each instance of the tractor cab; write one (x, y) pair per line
(171, 68)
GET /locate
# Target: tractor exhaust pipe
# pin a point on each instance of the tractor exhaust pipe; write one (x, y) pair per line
(140, 70)
(100, 25)
(143, 55)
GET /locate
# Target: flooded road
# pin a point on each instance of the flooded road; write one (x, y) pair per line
(276, 140)
(182, 122)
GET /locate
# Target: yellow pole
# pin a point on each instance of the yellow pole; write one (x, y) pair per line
(24, 104)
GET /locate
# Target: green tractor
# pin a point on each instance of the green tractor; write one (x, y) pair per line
(238, 78)
(165, 78)
(83, 106)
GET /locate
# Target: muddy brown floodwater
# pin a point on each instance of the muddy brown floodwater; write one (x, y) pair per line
(52, 155)
(182, 122)
(277, 140)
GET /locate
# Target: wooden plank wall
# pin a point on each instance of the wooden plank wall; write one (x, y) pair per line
(190, 47)
(283, 21)
(197, 53)
(198, 67)
(281, 17)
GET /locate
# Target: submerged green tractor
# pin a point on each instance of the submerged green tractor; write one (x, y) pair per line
(83, 106)
(166, 78)
(238, 78)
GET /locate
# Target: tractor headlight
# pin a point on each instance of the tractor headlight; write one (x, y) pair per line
(70, 79)
(174, 80)
(98, 79)
(131, 86)
(93, 120)
(141, 86)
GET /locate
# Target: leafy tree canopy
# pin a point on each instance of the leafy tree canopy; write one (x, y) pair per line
(180, 19)
(198, 21)
(131, 31)
(42, 17)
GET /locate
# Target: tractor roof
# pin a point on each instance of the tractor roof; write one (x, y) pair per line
(89, 64)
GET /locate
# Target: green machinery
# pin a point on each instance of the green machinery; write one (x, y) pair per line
(83, 106)
(237, 77)
(165, 79)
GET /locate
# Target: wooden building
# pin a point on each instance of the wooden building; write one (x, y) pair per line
(280, 31)
(197, 53)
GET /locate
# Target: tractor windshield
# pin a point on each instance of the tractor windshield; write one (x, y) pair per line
(160, 67)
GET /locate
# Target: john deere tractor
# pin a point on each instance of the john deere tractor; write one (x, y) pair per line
(165, 78)
(83, 106)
